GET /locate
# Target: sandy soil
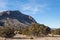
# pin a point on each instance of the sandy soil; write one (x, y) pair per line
(42, 38)
(18, 37)
(48, 38)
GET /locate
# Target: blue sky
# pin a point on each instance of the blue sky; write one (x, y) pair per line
(43, 11)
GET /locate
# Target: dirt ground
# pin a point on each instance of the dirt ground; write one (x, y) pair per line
(24, 37)
(40, 38)
(48, 38)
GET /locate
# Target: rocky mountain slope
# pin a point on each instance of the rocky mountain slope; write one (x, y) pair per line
(15, 18)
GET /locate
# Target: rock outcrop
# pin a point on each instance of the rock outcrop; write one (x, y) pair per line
(16, 18)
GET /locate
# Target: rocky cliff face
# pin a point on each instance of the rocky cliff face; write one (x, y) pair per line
(16, 18)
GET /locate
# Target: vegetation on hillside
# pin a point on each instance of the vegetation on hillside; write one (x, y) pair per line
(39, 30)
(36, 30)
(6, 32)
(33, 29)
(56, 31)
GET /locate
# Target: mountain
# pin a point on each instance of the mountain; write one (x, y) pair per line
(15, 18)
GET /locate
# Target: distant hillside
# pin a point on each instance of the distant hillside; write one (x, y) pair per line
(15, 18)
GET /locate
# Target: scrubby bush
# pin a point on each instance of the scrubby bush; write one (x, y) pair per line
(56, 31)
(39, 30)
(6, 32)
(26, 31)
